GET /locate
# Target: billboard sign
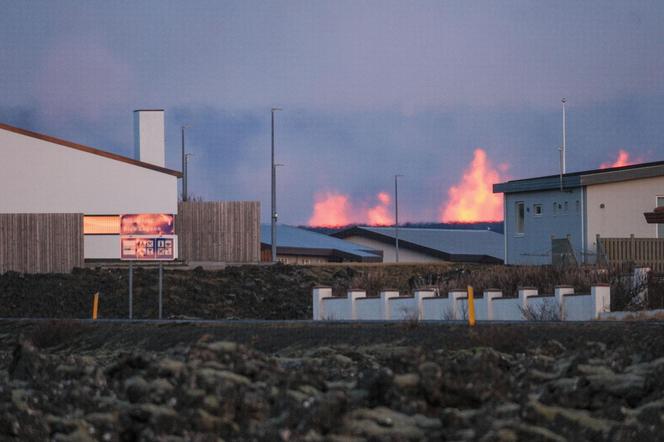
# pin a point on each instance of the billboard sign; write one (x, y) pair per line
(146, 248)
(147, 224)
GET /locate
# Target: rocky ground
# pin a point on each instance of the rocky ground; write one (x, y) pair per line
(330, 382)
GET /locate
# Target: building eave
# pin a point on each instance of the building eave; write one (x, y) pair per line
(584, 178)
(389, 240)
(88, 149)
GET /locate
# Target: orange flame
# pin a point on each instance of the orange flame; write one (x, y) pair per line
(472, 199)
(622, 160)
(331, 209)
(334, 209)
(379, 215)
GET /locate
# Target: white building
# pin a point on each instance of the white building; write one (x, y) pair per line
(428, 244)
(43, 174)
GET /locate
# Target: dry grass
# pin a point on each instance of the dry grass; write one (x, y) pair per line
(446, 277)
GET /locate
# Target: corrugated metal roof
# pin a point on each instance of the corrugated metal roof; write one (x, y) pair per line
(296, 238)
(458, 243)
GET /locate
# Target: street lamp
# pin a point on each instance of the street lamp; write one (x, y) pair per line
(273, 236)
(184, 166)
(396, 214)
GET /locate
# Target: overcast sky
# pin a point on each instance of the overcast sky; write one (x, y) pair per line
(369, 89)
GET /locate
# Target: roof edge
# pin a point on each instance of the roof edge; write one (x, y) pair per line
(88, 149)
(385, 239)
(583, 178)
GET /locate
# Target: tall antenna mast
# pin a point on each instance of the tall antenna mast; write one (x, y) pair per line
(564, 100)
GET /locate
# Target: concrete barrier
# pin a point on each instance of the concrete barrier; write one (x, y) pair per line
(426, 304)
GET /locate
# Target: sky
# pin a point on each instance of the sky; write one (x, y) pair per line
(369, 89)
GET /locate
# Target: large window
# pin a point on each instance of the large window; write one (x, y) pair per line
(101, 225)
(520, 217)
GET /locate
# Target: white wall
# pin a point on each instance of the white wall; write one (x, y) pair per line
(491, 306)
(38, 176)
(624, 205)
(389, 251)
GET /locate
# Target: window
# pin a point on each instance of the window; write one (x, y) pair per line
(282, 259)
(537, 209)
(520, 217)
(101, 225)
(578, 206)
(555, 208)
(660, 227)
(566, 207)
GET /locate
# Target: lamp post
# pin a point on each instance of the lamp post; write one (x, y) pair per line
(396, 215)
(273, 214)
(184, 166)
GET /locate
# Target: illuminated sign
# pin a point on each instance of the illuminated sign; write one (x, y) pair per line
(147, 224)
(148, 248)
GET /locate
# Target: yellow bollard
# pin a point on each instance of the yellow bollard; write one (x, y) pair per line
(95, 306)
(471, 307)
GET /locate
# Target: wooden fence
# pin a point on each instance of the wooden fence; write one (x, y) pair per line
(41, 242)
(642, 252)
(225, 231)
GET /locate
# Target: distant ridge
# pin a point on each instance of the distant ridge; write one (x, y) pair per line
(495, 226)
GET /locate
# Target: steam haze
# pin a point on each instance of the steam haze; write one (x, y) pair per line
(369, 90)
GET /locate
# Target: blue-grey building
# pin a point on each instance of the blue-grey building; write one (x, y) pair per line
(579, 206)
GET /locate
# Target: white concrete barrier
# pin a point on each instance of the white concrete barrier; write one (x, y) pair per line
(426, 304)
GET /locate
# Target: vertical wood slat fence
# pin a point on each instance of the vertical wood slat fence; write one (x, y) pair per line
(41, 242)
(219, 231)
(642, 252)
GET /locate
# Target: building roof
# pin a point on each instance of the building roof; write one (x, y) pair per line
(88, 149)
(297, 241)
(464, 245)
(584, 178)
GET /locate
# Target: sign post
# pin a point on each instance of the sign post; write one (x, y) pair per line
(147, 237)
(161, 285)
(131, 290)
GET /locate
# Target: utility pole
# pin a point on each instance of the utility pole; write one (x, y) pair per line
(396, 215)
(564, 100)
(185, 173)
(273, 215)
(184, 166)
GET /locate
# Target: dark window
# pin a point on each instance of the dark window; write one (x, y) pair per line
(520, 217)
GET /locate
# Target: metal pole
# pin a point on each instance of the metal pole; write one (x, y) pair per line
(273, 214)
(131, 290)
(396, 216)
(161, 285)
(564, 100)
(184, 173)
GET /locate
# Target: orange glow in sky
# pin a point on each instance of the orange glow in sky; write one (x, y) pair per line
(379, 215)
(472, 198)
(335, 209)
(622, 160)
(331, 209)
